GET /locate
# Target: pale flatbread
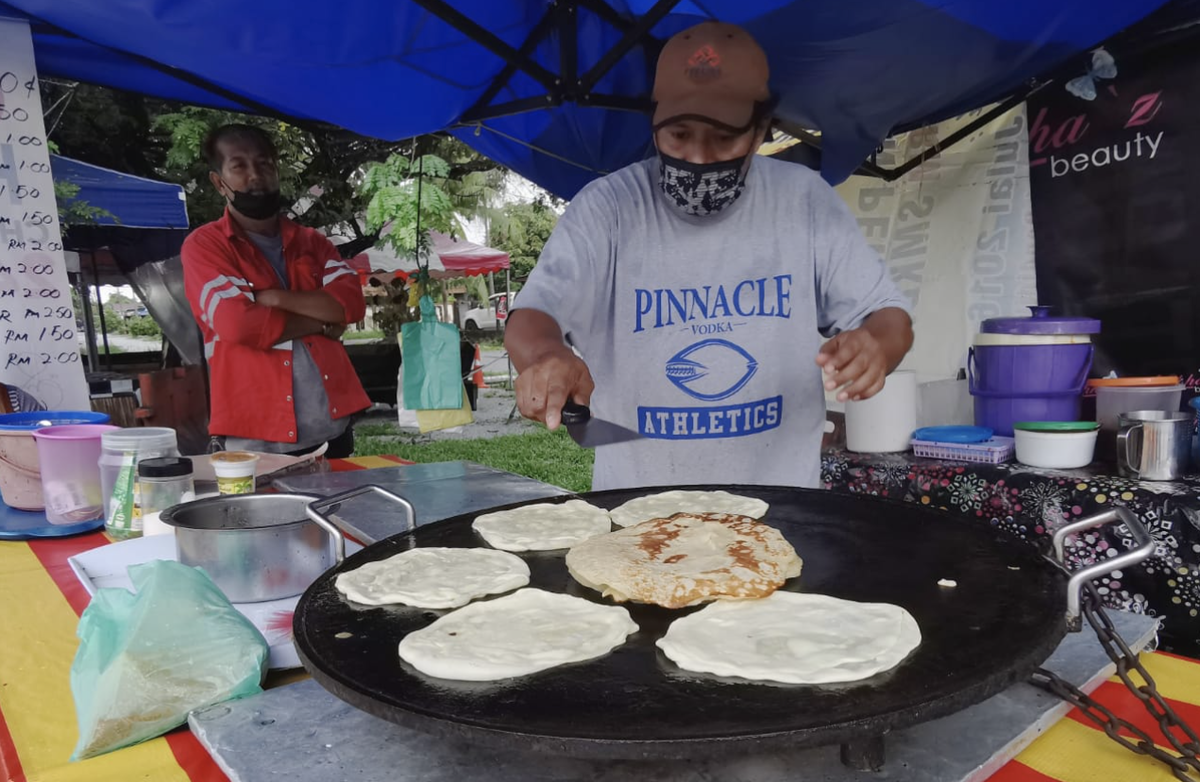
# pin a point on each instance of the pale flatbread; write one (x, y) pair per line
(668, 503)
(686, 559)
(793, 638)
(434, 577)
(518, 634)
(543, 527)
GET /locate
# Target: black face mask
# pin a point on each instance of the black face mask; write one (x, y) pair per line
(702, 188)
(256, 206)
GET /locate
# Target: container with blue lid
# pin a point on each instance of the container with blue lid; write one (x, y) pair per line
(20, 470)
(37, 419)
(953, 434)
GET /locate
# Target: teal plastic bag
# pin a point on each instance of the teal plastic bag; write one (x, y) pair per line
(146, 660)
(432, 365)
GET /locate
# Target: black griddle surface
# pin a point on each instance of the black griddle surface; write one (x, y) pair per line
(1002, 620)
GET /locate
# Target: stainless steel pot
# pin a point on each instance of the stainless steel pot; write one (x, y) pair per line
(259, 547)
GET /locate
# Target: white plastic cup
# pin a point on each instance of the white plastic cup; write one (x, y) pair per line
(885, 422)
(235, 471)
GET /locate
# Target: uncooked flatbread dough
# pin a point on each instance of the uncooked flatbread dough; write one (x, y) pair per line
(544, 526)
(686, 559)
(793, 638)
(434, 577)
(668, 503)
(518, 634)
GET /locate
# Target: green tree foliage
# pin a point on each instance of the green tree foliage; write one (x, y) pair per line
(320, 165)
(522, 234)
(141, 326)
(406, 200)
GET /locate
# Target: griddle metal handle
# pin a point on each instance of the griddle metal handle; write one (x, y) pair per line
(1079, 579)
(318, 509)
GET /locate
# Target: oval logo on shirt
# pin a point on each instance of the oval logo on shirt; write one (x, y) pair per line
(711, 369)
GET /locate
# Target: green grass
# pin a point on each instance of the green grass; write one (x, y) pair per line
(491, 343)
(543, 455)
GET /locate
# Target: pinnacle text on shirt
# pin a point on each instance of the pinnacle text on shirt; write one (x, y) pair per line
(764, 297)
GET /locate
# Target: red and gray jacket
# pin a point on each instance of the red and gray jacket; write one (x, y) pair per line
(250, 369)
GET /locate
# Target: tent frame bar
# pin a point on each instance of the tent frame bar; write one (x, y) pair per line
(480, 35)
(639, 33)
(536, 36)
(568, 86)
(871, 168)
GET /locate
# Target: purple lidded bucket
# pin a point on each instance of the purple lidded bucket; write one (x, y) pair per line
(1030, 369)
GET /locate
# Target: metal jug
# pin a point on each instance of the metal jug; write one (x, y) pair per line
(1153, 445)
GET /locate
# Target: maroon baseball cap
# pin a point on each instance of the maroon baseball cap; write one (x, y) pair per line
(712, 71)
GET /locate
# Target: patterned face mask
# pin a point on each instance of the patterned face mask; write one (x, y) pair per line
(702, 188)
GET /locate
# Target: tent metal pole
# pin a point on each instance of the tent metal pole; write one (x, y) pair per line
(508, 309)
(89, 322)
(568, 42)
(100, 303)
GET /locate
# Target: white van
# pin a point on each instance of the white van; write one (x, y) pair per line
(489, 318)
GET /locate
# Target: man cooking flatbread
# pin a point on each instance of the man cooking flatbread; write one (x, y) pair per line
(696, 286)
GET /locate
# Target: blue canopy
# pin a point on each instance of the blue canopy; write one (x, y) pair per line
(132, 202)
(553, 90)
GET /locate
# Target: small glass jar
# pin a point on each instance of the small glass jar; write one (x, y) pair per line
(162, 483)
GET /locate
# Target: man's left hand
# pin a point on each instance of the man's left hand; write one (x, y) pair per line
(856, 362)
(334, 330)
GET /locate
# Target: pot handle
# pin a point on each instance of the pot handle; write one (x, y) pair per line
(1144, 547)
(318, 508)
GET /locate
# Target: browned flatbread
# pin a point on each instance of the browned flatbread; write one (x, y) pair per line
(687, 559)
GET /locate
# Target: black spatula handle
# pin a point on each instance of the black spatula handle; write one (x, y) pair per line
(575, 413)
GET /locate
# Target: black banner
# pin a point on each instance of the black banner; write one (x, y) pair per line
(1115, 185)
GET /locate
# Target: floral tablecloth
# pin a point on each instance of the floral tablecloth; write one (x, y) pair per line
(1031, 504)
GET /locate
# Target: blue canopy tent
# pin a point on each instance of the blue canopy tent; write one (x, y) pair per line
(144, 222)
(130, 201)
(558, 91)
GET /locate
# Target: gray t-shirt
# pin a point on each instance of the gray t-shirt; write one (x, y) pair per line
(314, 423)
(702, 332)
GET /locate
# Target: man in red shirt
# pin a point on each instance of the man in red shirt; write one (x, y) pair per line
(272, 299)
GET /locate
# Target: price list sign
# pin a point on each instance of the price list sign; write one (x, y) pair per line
(39, 342)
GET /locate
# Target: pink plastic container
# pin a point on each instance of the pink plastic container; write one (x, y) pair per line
(69, 457)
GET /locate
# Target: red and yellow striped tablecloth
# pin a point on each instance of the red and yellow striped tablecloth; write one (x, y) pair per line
(40, 603)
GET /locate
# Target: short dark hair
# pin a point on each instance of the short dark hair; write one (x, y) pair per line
(211, 148)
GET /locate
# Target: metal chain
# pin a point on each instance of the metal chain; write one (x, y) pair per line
(1186, 765)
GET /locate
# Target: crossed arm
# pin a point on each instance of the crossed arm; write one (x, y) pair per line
(308, 312)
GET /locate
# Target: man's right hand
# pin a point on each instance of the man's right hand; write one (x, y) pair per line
(545, 385)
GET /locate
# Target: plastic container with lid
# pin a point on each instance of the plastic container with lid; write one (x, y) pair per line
(20, 475)
(120, 452)
(1055, 449)
(162, 482)
(1030, 369)
(70, 471)
(1118, 395)
(235, 471)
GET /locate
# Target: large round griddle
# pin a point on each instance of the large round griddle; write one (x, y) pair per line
(1001, 621)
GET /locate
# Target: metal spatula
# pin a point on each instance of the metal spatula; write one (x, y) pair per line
(592, 432)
